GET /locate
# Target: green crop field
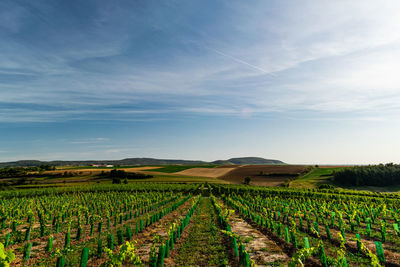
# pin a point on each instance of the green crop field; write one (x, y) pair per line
(200, 223)
(315, 177)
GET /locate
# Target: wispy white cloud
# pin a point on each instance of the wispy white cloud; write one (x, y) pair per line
(241, 61)
(325, 57)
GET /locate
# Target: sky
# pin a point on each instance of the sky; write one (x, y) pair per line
(313, 82)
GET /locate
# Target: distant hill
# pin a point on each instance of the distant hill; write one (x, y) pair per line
(222, 162)
(141, 161)
(248, 161)
(122, 162)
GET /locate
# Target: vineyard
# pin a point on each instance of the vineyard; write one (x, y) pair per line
(155, 224)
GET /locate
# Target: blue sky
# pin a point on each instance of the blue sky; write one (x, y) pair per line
(303, 82)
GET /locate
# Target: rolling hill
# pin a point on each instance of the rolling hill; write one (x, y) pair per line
(248, 161)
(143, 161)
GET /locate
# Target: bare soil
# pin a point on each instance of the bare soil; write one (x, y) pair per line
(206, 172)
(144, 240)
(38, 252)
(263, 250)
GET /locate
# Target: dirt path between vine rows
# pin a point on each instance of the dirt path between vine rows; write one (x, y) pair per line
(262, 250)
(38, 250)
(144, 240)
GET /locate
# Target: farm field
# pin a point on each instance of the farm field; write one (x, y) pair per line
(198, 224)
(206, 172)
(263, 175)
(315, 177)
(324, 174)
(180, 168)
(293, 176)
(91, 180)
(97, 170)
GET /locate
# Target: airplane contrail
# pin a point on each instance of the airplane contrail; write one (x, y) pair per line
(240, 61)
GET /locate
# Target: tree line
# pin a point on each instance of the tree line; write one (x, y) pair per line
(23, 171)
(117, 176)
(372, 175)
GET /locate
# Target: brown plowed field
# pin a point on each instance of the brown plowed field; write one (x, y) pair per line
(206, 172)
(263, 174)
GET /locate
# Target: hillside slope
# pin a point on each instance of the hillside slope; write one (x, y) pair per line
(142, 161)
(254, 161)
